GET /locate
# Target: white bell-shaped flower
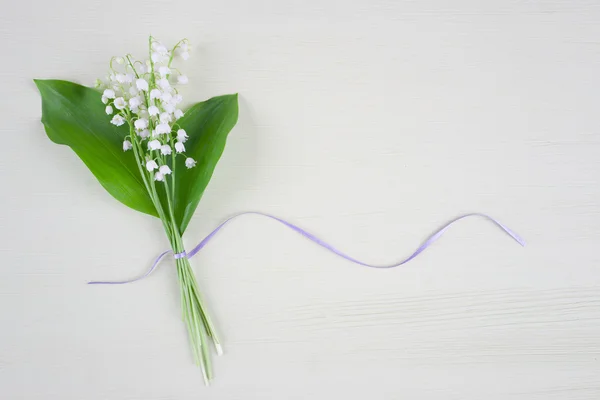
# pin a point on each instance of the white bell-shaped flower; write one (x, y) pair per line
(167, 97)
(179, 147)
(142, 84)
(182, 135)
(155, 94)
(164, 71)
(165, 150)
(164, 169)
(144, 134)
(164, 83)
(165, 118)
(108, 110)
(109, 94)
(178, 114)
(151, 165)
(163, 128)
(159, 48)
(169, 107)
(159, 177)
(182, 79)
(127, 145)
(153, 110)
(185, 55)
(154, 144)
(141, 124)
(190, 162)
(117, 120)
(134, 102)
(120, 103)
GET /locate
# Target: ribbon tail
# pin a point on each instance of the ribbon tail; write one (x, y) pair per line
(152, 268)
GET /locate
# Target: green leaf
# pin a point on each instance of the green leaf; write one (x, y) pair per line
(207, 125)
(74, 115)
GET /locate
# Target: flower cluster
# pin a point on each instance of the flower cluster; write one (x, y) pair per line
(144, 95)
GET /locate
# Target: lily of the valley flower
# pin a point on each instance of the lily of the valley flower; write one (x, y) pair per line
(179, 147)
(163, 128)
(153, 110)
(164, 83)
(164, 71)
(166, 97)
(164, 169)
(165, 150)
(151, 165)
(169, 107)
(120, 103)
(159, 48)
(154, 144)
(142, 84)
(165, 118)
(141, 124)
(127, 145)
(109, 94)
(117, 120)
(190, 162)
(134, 102)
(182, 135)
(155, 94)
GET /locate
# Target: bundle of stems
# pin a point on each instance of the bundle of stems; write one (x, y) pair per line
(199, 324)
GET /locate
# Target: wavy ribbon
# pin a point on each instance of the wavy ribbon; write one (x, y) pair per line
(316, 240)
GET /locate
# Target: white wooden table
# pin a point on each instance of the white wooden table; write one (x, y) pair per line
(370, 123)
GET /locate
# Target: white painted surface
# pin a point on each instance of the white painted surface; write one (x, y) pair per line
(369, 122)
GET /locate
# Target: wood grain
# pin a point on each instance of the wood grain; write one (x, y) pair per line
(370, 123)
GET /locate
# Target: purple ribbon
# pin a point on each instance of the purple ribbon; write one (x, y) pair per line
(318, 241)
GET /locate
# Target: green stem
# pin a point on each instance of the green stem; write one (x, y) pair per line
(149, 186)
(173, 164)
(206, 320)
(192, 311)
(131, 65)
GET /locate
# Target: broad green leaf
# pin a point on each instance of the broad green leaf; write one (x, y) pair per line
(73, 115)
(207, 125)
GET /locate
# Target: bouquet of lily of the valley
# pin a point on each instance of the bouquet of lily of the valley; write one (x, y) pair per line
(148, 153)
